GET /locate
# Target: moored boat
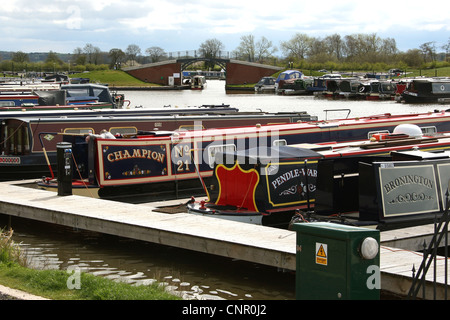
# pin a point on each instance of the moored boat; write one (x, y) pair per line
(265, 85)
(286, 77)
(276, 182)
(198, 82)
(22, 155)
(70, 96)
(178, 158)
(428, 90)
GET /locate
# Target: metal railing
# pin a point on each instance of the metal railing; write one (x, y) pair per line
(430, 256)
(198, 54)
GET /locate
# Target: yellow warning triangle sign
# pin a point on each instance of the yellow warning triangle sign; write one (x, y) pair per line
(321, 252)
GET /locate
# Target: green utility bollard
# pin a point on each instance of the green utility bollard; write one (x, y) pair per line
(336, 261)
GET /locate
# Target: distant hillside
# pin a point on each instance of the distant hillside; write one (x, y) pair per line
(35, 56)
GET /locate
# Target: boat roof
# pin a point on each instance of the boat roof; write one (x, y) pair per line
(268, 154)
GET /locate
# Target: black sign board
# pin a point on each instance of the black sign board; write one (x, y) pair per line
(403, 189)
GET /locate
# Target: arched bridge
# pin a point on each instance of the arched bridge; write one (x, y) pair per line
(236, 71)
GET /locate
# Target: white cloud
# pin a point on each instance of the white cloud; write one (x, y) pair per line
(116, 23)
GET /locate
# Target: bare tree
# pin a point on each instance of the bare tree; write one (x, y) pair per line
(298, 47)
(428, 51)
(211, 49)
(446, 47)
(132, 52)
(246, 47)
(335, 46)
(93, 53)
(264, 50)
(155, 53)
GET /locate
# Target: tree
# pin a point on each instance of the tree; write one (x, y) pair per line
(20, 57)
(132, 52)
(79, 56)
(93, 53)
(246, 48)
(446, 47)
(264, 50)
(428, 51)
(117, 56)
(155, 53)
(53, 58)
(211, 49)
(298, 47)
(335, 45)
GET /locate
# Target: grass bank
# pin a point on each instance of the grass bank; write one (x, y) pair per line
(116, 78)
(67, 285)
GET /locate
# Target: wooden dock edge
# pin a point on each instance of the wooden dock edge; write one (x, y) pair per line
(257, 244)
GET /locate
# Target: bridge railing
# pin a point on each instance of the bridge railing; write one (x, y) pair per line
(200, 54)
(197, 54)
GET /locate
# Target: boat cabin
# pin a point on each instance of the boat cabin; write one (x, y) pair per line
(402, 189)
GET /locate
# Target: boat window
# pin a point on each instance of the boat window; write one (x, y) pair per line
(429, 131)
(371, 133)
(192, 127)
(79, 130)
(281, 142)
(123, 130)
(7, 104)
(15, 139)
(78, 92)
(212, 150)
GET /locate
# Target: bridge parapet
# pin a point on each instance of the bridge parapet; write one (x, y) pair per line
(237, 72)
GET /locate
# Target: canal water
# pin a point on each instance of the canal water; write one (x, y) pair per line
(195, 275)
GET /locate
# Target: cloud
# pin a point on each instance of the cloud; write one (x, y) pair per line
(183, 25)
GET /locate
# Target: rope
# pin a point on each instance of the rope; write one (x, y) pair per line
(81, 178)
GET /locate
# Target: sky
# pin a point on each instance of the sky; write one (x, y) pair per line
(181, 25)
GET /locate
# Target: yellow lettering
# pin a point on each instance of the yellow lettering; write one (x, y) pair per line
(118, 155)
(137, 153)
(110, 158)
(161, 157)
(178, 151)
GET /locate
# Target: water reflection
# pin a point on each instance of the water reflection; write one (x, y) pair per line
(193, 275)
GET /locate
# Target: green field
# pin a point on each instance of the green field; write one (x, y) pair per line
(113, 78)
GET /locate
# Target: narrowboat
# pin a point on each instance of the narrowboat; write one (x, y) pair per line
(221, 109)
(173, 161)
(69, 96)
(21, 149)
(406, 189)
(268, 185)
(429, 90)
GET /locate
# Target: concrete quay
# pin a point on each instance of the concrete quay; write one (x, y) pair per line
(257, 244)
